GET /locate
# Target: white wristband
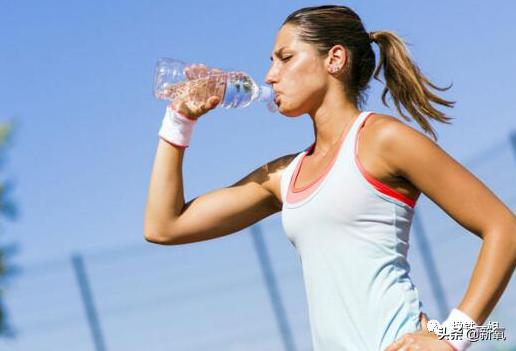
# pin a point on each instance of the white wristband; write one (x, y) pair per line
(176, 128)
(464, 323)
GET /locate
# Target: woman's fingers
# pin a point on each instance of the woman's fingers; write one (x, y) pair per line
(214, 101)
(423, 318)
(201, 93)
(399, 344)
(192, 109)
(196, 71)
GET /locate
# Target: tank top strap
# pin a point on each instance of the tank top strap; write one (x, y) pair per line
(357, 125)
(352, 157)
(348, 149)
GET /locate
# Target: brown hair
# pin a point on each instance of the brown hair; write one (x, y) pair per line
(329, 25)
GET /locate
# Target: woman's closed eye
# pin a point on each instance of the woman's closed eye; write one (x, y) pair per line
(285, 59)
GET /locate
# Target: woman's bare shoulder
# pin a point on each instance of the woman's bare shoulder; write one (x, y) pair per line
(380, 129)
(270, 174)
(381, 124)
(279, 164)
(380, 120)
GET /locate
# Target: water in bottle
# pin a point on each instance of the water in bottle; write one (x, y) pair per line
(175, 79)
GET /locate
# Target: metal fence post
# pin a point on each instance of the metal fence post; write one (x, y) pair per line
(87, 299)
(272, 288)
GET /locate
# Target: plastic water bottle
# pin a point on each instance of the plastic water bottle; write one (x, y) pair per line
(175, 79)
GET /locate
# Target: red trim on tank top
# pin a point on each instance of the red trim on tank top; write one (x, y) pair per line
(297, 194)
(312, 183)
(381, 187)
(297, 170)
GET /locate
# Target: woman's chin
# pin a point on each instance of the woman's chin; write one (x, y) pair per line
(283, 109)
(289, 112)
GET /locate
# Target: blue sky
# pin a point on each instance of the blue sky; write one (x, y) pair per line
(77, 76)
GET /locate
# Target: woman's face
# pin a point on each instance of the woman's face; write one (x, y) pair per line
(298, 74)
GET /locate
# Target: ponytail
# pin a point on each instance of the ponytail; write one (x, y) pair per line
(406, 84)
(328, 25)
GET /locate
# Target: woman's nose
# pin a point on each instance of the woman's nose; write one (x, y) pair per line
(271, 76)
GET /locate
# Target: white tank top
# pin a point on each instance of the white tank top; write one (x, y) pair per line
(352, 235)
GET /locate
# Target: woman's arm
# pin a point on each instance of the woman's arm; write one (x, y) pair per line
(464, 198)
(169, 221)
(469, 202)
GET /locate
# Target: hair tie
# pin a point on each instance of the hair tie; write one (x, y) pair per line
(371, 36)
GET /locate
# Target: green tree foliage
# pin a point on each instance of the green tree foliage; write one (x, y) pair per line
(7, 210)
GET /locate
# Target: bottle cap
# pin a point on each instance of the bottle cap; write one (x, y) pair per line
(266, 93)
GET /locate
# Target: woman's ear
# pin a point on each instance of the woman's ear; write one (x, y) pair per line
(337, 58)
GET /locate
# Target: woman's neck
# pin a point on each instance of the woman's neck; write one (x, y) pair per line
(330, 122)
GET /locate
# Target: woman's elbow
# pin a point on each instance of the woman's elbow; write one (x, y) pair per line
(158, 235)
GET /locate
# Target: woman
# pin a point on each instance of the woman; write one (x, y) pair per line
(348, 200)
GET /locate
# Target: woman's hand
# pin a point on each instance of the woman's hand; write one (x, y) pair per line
(201, 92)
(193, 109)
(422, 340)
